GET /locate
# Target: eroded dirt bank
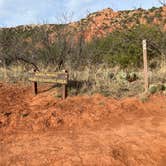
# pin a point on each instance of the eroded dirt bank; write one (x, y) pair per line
(82, 130)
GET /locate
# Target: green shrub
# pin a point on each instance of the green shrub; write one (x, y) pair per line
(153, 89)
(153, 9)
(156, 88)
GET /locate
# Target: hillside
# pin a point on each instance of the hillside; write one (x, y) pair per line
(105, 21)
(89, 41)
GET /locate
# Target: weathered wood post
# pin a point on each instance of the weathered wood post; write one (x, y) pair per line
(64, 87)
(35, 88)
(35, 85)
(146, 82)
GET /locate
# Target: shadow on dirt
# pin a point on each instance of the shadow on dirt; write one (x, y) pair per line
(77, 86)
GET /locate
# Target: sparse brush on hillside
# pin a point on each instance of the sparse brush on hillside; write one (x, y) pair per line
(122, 48)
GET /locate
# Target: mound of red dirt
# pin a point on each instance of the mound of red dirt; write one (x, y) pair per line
(82, 130)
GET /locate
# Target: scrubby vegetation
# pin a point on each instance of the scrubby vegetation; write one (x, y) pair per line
(119, 48)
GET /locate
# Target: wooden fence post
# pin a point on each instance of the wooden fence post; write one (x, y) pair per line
(35, 85)
(64, 89)
(35, 88)
(146, 82)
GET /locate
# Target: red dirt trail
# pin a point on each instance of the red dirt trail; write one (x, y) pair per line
(82, 130)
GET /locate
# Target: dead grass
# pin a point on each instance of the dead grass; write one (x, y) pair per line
(90, 80)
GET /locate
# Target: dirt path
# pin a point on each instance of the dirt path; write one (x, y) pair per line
(85, 130)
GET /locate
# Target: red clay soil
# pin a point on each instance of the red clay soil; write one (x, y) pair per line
(82, 130)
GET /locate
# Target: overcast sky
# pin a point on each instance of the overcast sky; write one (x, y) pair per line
(19, 12)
